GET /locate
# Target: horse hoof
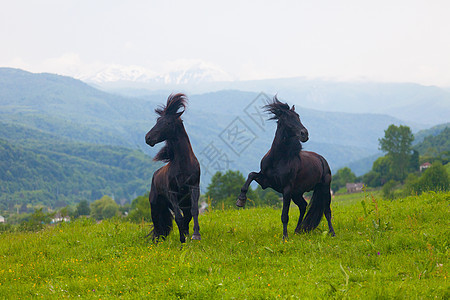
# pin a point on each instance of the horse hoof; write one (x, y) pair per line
(240, 202)
(196, 237)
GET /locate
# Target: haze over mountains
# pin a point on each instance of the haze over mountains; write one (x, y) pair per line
(225, 122)
(417, 104)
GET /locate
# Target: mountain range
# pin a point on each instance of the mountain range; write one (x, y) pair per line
(227, 128)
(181, 73)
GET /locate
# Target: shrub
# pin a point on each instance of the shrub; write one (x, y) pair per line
(434, 178)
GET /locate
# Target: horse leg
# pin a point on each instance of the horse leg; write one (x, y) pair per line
(327, 214)
(302, 204)
(285, 213)
(195, 194)
(243, 196)
(154, 211)
(179, 219)
(187, 219)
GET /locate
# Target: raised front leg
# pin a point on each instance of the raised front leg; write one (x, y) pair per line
(195, 194)
(243, 195)
(285, 213)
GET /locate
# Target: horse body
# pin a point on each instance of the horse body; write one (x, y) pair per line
(175, 186)
(292, 172)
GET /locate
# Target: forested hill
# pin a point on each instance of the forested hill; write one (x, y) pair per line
(38, 169)
(66, 109)
(435, 143)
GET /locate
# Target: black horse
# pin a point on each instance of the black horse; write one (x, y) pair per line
(292, 172)
(175, 186)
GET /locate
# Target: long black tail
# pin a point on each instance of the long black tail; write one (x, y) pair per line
(320, 200)
(162, 219)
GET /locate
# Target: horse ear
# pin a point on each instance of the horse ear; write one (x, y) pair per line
(293, 108)
(178, 114)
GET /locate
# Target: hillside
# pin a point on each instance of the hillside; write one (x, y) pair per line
(435, 143)
(413, 103)
(37, 168)
(70, 109)
(433, 131)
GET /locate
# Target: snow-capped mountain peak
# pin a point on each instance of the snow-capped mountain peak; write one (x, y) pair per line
(176, 72)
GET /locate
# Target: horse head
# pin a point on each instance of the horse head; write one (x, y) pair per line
(288, 119)
(168, 121)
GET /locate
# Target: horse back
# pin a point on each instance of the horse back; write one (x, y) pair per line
(313, 169)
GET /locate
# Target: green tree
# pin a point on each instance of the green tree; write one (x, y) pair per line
(140, 210)
(36, 221)
(268, 197)
(341, 178)
(83, 208)
(104, 208)
(397, 143)
(225, 188)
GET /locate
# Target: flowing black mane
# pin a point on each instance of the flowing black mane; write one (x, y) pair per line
(165, 154)
(174, 103)
(276, 107)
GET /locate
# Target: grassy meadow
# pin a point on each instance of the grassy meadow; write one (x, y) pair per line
(382, 249)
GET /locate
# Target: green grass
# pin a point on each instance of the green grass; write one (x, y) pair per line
(392, 249)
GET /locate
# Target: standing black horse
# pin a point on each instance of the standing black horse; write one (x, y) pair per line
(175, 187)
(292, 172)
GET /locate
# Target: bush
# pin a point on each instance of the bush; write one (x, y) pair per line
(104, 208)
(434, 178)
(36, 222)
(140, 210)
(388, 189)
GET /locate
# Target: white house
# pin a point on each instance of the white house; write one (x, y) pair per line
(354, 187)
(59, 218)
(424, 166)
(2, 219)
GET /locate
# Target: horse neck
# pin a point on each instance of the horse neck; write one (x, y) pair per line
(284, 145)
(181, 147)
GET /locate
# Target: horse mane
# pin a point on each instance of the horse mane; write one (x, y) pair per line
(276, 108)
(165, 154)
(174, 103)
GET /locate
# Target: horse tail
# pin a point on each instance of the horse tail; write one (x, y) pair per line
(320, 199)
(162, 218)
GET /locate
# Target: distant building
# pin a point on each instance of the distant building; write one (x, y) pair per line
(59, 218)
(2, 219)
(354, 187)
(424, 166)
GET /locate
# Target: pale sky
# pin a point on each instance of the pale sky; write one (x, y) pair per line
(354, 39)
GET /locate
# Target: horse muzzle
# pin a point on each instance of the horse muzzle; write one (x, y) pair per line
(304, 136)
(149, 141)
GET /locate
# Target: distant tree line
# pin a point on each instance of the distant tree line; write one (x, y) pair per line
(400, 164)
(59, 174)
(224, 188)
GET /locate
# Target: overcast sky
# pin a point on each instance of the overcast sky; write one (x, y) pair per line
(370, 40)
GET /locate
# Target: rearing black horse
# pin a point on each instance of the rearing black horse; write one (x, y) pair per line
(292, 172)
(175, 186)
